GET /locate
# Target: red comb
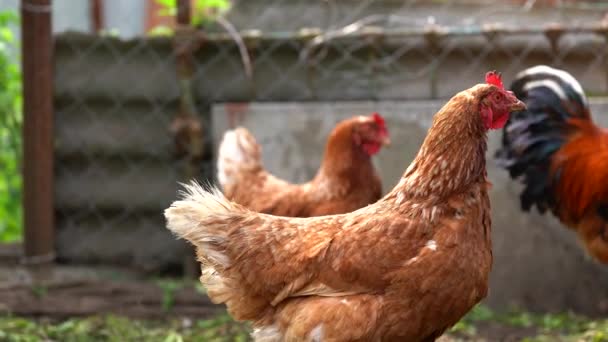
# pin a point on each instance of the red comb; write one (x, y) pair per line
(378, 119)
(494, 78)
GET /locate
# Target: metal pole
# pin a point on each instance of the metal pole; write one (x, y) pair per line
(183, 12)
(37, 49)
(186, 124)
(97, 21)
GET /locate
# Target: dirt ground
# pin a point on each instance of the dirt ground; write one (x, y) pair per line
(65, 303)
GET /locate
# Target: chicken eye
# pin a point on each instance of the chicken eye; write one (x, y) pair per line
(498, 96)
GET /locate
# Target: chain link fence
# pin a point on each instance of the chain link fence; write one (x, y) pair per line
(133, 116)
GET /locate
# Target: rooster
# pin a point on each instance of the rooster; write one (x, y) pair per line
(405, 268)
(559, 153)
(346, 180)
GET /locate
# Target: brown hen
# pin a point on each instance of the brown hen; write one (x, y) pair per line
(346, 180)
(405, 268)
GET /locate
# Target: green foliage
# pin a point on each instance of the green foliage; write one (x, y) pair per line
(564, 327)
(39, 290)
(160, 31)
(170, 288)
(112, 32)
(204, 13)
(10, 133)
(169, 7)
(549, 327)
(119, 329)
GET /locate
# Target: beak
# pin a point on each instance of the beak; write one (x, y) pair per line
(386, 141)
(517, 106)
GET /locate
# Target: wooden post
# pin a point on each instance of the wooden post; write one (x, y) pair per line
(37, 46)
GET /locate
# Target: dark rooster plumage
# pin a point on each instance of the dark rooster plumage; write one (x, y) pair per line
(559, 153)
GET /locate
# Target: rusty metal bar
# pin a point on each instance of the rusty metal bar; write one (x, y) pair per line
(186, 125)
(37, 50)
(184, 12)
(97, 18)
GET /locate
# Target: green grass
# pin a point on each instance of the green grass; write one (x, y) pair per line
(546, 327)
(118, 329)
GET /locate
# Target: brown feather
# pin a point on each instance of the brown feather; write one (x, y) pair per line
(583, 184)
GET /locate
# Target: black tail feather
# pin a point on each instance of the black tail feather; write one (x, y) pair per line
(531, 137)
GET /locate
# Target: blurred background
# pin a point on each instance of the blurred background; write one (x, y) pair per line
(106, 105)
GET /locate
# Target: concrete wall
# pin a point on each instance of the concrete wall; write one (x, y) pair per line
(538, 264)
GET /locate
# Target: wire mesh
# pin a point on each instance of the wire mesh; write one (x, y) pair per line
(129, 125)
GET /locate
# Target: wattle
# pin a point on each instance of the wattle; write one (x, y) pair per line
(491, 120)
(371, 148)
(500, 121)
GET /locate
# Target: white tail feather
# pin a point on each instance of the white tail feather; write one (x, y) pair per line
(269, 333)
(238, 151)
(205, 218)
(199, 218)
